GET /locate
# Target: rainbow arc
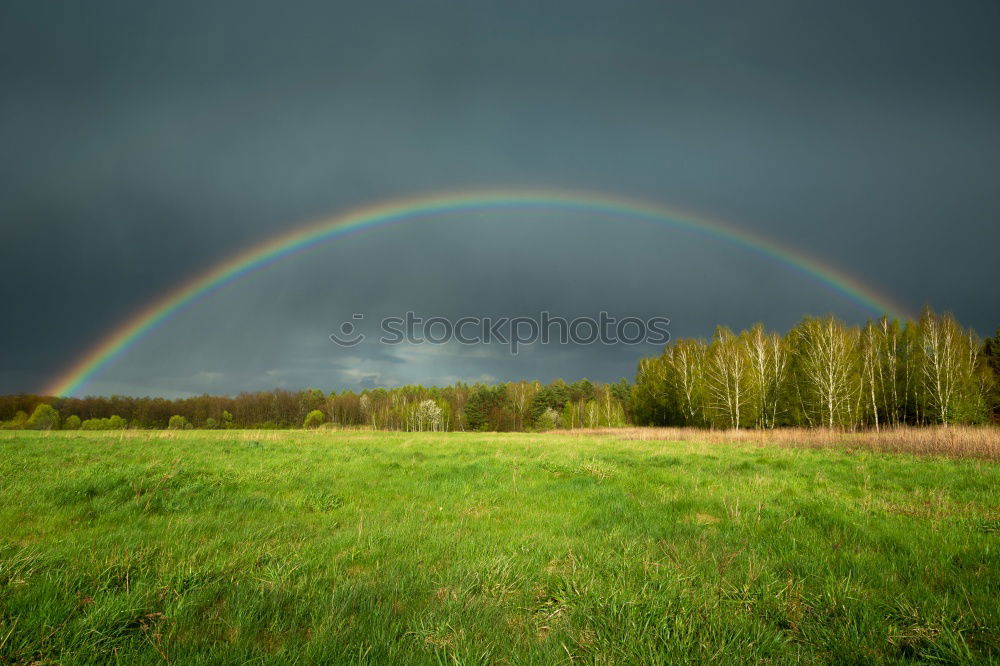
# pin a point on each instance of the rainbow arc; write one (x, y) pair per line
(401, 211)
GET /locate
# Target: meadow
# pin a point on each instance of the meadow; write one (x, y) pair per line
(428, 548)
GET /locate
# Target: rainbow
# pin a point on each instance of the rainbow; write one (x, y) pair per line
(401, 211)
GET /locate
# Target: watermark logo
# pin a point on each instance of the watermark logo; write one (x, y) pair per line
(348, 333)
(514, 332)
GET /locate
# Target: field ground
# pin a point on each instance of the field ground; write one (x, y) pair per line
(398, 548)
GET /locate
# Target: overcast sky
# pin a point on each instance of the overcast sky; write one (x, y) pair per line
(143, 142)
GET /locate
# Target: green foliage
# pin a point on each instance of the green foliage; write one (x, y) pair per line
(485, 409)
(510, 406)
(423, 548)
(72, 422)
(548, 420)
(571, 416)
(45, 417)
(178, 422)
(17, 422)
(113, 422)
(581, 390)
(554, 397)
(314, 419)
(990, 374)
(821, 373)
(621, 390)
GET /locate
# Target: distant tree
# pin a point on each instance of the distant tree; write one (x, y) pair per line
(521, 396)
(211, 423)
(311, 399)
(554, 396)
(611, 409)
(871, 380)
(314, 419)
(178, 422)
(991, 353)
(620, 390)
(20, 418)
(728, 379)
(684, 377)
(547, 420)
(115, 422)
(570, 416)
(653, 400)
(428, 416)
(581, 390)
(949, 357)
(227, 420)
(72, 422)
(484, 410)
(45, 417)
(827, 371)
(768, 364)
(891, 363)
(365, 408)
(991, 362)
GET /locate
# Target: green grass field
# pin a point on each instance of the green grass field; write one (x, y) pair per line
(397, 548)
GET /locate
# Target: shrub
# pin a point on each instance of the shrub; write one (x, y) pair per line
(178, 422)
(114, 423)
(17, 422)
(72, 422)
(547, 420)
(314, 419)
(45, 417)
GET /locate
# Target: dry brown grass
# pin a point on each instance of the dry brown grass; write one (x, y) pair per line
(953, 441)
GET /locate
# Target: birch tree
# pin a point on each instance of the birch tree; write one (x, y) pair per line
(612, 414)
(949, 358)
(521, 394)
(940, 360)
(871, 368)
(727, 378)
(688, 364)
(887, 333)
(768, 363)
(827, 370)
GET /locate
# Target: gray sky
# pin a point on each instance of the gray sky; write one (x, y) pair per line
(144, 142)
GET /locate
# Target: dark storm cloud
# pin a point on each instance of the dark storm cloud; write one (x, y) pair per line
(141, 143)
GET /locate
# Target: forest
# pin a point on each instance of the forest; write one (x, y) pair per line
(824, 373)
(821, 373)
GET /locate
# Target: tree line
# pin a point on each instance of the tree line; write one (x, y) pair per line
(821, 373)
(826, 373)
(512, 406)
